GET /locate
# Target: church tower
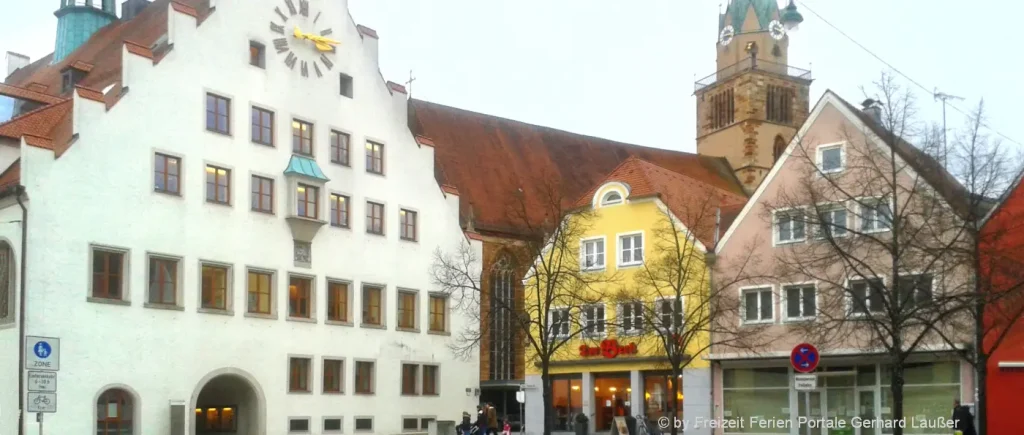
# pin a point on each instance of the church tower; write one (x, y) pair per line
(77, 20)
(752, 106)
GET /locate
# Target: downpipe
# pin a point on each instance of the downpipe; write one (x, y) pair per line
(19, 192)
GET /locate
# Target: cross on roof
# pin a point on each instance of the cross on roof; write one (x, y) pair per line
(408, 84)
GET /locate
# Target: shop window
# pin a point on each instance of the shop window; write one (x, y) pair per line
(658, 396)
(762, 392)
(611, 399)
(566, 401)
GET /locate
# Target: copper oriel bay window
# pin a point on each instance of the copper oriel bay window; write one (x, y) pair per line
(374, 157)
(218, 114)
(215, 287)
(163, 281)
(337, 301)
(339, 210)
(302, 137)
(262, 194)
(364, 377)
(166, 174)
(218, 185)
(298, 379)
(410, 377)
(406, 309)
(374, 218)
(408, 224)
(306, 201)
(339, 147)
(438, 308)
(259, 292)
(372, 299)
(107, 274)
(212, 419)
(262, 126)
(300, 291)
(333, 375)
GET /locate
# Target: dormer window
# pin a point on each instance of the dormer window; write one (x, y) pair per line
(611, 198)
(69, 78)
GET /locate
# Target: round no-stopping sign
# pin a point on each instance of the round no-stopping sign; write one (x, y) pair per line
(804, 358)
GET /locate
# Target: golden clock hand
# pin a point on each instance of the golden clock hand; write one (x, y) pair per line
(298, 33)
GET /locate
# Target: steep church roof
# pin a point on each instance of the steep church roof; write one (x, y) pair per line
(488, 159)
(736, 13)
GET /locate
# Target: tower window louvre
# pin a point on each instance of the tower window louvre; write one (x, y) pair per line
(723, 109)
(779, 104)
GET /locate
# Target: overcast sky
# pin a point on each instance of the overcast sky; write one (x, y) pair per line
(624, 70)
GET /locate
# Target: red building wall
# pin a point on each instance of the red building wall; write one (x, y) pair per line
(1003, 267)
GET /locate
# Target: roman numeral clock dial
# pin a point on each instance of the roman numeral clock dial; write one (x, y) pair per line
(301, 37)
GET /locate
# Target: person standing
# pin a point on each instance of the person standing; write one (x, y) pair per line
(963, 421)
(481, 419)
(492, 419)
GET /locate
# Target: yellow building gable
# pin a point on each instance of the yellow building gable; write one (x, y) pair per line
(617, 223)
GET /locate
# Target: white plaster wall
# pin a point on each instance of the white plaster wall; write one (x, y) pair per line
(100, 191)
(10, 232)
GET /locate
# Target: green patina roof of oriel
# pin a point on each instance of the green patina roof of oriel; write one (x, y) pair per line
(739, 9)
(305, 166)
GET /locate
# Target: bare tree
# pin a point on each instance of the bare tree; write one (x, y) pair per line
(879, 225)
(673, 300)
(554, 286)
(992, 303)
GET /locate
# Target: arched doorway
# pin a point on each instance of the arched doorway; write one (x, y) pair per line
(228, 400)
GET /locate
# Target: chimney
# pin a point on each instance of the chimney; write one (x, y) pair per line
(15, 61)
(132, 8)
(873, 110)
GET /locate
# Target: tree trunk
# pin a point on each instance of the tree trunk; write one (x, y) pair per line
(896, 385)
(981, 407)
(673, 392)
(545, 382)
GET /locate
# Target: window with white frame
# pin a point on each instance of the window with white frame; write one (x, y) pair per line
(558, 322)
(611, 198)
(866, 296)
(875, 215)
(915, 290)
(631, 317)
(593, 254)
(631, 249)
(757, 305)
(801, 301)
(832, 219)
(593, 320)
(831, 159)
(671, 312)
(789, 227)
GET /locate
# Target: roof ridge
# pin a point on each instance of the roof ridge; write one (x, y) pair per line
(556, 129)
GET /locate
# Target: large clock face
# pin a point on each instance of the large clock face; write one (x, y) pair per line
(726, 36)
(776, 30)
(303, 38)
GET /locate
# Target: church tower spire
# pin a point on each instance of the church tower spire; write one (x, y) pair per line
(752, 106)
(77, 20)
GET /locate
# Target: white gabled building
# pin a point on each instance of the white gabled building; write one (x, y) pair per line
(228, 227)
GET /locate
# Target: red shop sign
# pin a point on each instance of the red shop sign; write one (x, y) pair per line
(608, 349)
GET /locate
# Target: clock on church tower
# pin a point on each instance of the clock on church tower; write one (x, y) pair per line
(752, 62)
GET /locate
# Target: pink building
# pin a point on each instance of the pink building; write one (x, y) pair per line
(805, 254)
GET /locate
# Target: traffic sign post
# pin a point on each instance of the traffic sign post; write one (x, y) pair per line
(804, 358)
(42, 402)
(44, 353)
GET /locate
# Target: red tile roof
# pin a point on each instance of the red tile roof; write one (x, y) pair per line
(490, 158)
(27, 94)
(11, 176)
(692, 201)
(103, 50)
(40, 122)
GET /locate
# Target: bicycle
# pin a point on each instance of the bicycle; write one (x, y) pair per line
(641, 425)
(42, 399)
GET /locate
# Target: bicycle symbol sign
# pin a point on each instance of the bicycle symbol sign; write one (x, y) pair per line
(42, 402)
(804, 358)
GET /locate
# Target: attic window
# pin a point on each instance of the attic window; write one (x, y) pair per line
(257, 54)
(69, 78)
(611, 198)
(346, 85)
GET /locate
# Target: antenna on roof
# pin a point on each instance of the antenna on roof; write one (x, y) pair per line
(944, 97)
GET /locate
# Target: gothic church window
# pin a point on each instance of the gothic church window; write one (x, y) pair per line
(723, 109)
(779, 104)
(778, 148)
(6, 294)
(502, 333)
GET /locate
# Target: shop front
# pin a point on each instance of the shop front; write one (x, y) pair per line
(851, 393)
(612, 379)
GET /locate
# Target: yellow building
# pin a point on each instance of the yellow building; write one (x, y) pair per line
(638, 241)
